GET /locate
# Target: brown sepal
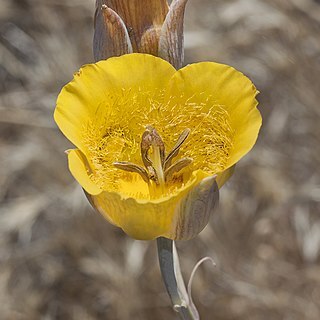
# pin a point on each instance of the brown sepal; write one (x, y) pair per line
(171, 37)
(111, 37)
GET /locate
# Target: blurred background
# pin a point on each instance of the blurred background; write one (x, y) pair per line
(60, 260)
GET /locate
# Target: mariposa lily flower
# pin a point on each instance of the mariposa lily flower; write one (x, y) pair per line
(153, 143)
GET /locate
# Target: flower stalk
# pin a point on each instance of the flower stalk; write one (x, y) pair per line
(173, 280)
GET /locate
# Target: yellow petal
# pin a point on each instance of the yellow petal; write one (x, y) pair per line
(79, 168)
(221, 86)
(99, 85)
(149, 219)
(247, 128)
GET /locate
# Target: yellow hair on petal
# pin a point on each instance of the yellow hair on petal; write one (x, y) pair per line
(114, 134)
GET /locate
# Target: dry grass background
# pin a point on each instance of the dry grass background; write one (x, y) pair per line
(59, 260)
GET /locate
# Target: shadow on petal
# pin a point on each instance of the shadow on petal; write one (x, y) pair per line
(194, 210)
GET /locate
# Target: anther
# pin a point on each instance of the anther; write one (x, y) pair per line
(151, 138)
(128, 166)
(176, 167)
(175, 150)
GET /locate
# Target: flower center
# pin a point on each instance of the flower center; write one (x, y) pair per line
(159, 168)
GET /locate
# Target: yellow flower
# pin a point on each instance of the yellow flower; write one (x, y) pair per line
(152, 141)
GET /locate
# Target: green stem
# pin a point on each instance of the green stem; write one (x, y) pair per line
(169, 275)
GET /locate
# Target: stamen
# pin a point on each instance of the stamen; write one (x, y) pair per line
(175, 150)
(128, 166)
(151, 138)
(176, 167)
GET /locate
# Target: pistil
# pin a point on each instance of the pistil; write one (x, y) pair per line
(157, 165)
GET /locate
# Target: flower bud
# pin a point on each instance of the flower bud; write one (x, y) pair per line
(146, 26)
